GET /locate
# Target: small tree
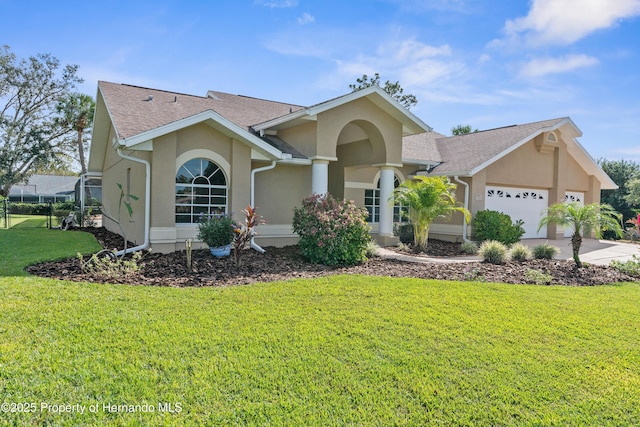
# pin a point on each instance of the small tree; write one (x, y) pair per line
(393, 89)
(583, 220)
(427, 198)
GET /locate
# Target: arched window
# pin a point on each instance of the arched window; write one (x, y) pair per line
(372, 203)
(201, 189)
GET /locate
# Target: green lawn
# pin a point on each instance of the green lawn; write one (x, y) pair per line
(346, 350)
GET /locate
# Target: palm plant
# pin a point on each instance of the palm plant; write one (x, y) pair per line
(595, 217)
(76, 112)
(427, 198)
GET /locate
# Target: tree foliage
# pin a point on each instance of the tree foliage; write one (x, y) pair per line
(462, 129)
(30, 136)
(393, 89)
(594, 217)
(622, 172)
(427, 198)
(75, 112)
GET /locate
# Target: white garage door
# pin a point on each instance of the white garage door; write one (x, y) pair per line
(520, 203)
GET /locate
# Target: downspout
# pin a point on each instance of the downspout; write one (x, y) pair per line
(147, 202)
(466, 206)
(254, 245)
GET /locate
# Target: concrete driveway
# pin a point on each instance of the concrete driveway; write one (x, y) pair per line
(592, 251)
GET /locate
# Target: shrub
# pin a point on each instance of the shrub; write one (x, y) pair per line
(469, 248)
(493, 225)
(545, 251)
(493, 252)
(404, 232)
(372, 249)
(332, 232)
(20, 208)
(631, 267)
(520, 252)
(216, 230)
(106, 265)
(538, 277)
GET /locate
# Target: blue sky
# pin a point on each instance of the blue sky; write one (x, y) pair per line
(487, 63)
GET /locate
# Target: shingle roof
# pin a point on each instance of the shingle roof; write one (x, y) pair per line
(135, 110)
(46, 184)
(464, 153)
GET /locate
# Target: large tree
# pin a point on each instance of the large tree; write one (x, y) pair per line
(622, 172)
(76, 113)
(30, 137)
(393, 89)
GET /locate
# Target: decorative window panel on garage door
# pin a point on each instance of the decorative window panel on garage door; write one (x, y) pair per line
(520, 203)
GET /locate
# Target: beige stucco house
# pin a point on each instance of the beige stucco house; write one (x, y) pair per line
(184, 155)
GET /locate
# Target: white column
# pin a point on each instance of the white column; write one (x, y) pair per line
(386, 207)
(320, 177)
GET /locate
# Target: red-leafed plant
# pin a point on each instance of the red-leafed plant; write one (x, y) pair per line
(243, 233)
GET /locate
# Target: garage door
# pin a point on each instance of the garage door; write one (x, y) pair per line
(520, 203)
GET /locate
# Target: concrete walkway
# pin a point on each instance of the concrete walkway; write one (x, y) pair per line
(592, 251)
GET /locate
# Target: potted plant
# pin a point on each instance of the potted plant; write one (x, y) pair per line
(217, 232)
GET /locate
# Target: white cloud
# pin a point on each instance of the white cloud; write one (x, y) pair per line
(543, 66)
(409, 61)
(566, 21)
(306, 19)
(276, 3)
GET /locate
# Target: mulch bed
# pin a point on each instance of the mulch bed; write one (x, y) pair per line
(287, 263)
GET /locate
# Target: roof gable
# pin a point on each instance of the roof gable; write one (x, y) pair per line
(470, 153)
(411, 124)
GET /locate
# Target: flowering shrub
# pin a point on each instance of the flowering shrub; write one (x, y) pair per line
(332, 232)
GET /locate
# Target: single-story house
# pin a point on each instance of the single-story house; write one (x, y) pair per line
(186, 155)
(41, 188)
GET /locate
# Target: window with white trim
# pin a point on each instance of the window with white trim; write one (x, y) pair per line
(372, 203)
(201, 189)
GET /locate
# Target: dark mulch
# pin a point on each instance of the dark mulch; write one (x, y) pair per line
(287, 263)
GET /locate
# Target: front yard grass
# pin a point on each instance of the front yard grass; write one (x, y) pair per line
(342, 350)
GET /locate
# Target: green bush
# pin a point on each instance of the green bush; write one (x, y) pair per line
(216, 230)
(538, 277)
(19, 208)
(493, 225)
(493, 252)
(332, 232)
(520, 252)
(545, 251)
(469, 248)
(631, 267)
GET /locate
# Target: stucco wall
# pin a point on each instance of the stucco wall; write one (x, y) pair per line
(384, 133)
(524, 167)
(131, 176)
(281, 189)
